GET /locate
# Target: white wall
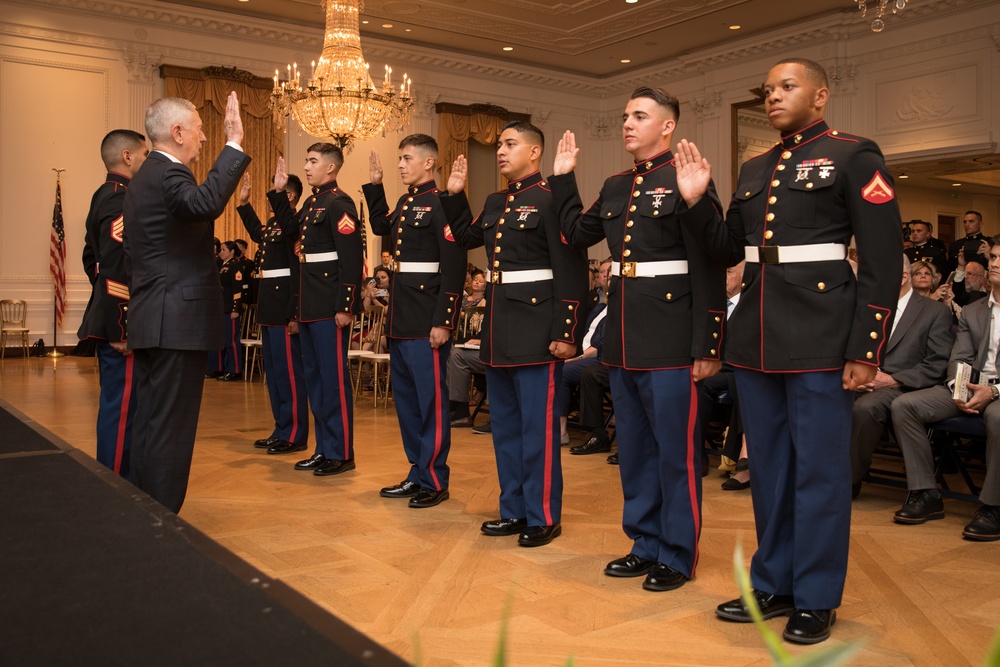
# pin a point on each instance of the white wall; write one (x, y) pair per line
(69, 72)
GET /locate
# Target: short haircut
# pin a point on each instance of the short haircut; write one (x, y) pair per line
(975, 213)
(976, 259)
(424, 141)
(164, 113)
(115, 142)
(330, 151)
(524, 127)
(242, 244)
(295, 185)
(814, 71)
(661, 97)
(906, 264)
(929, 226)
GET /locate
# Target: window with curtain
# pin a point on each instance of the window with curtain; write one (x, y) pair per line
(208, 89)
(458, 123)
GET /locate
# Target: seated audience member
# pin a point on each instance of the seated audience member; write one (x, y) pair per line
(595, 383)
(912, 412)
(593, 343)
(916, 358)
(463, 363)
(923, 246)
(926, 281)
(970, 281)
(477, 292)
(712, 387)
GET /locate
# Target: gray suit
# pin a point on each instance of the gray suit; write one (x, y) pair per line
(916, 358)
(912, 412)
(174, 310)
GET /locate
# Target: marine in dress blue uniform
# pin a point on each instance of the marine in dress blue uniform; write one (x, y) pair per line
(664, 332)
(330, 268)
(277, 301)
(425, 300)
(106, 317)
(536, 287)
(805, 335)
(228, 359)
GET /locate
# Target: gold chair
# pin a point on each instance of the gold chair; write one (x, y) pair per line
(360, 330)
(253, 344)
(13, 314)
(379, 361)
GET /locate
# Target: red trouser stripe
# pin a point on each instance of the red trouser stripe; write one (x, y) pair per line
(692, 471)
(550, 402)
(123, 414)
(438, 426)
(291, 381)
(341, 332)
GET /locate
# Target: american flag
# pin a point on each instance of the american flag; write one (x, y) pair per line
(57, 256)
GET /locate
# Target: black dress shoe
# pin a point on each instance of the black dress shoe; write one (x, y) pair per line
(503, 527)
(311, 463)
(985, 525)
(613, 459)
(855, 490)
(428, 498)
(595, 445)
(733, 484)
(770, 606)
(264, 443)
(333, 467)
(285, 447)
(663, 578)
(809, 627)
(404, 489)
(920, 507)
(538, 536)
(211, 375)
(484, 429)
(629, 566)
(230, 377)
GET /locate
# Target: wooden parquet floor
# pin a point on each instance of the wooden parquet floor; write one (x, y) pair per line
(429, 586)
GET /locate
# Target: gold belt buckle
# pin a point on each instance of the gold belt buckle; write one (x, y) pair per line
(302, 258)
(768, 254)
(395, 266)
(628, 269)
(495, 277)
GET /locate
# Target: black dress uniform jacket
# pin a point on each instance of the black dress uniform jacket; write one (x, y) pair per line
(277, 298)
(658, 322)
(419, 231)
(104, 263)
(815, 186)
(231, 279)
(520, 230)
(327, 222)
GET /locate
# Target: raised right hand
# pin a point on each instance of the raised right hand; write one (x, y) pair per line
(280, 176)
(693, 172)
(245, 189)
(459, 175)
(374, 168)
(233, 123)
(566, 153)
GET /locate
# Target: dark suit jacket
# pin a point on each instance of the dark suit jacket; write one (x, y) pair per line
(918, 349)
(972, 341)
(174, 286)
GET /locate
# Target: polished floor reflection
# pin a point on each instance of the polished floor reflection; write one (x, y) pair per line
(429, 586)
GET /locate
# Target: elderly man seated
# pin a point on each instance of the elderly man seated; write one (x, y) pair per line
(916, 358)
(912, 412)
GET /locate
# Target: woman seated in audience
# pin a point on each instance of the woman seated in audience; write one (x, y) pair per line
(925, 280)
(477, 291)
(374, 294)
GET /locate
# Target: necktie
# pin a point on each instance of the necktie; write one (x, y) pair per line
(729, 307)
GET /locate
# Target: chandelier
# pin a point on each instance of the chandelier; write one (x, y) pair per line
(339, 100)
(878, 25)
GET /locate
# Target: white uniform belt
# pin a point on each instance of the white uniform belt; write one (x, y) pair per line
(317, 257)
(275, 273)
(649, 269)
(790, 254)
(417, 267)
(511, 277)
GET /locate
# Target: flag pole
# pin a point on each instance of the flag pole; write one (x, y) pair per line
(55, 353)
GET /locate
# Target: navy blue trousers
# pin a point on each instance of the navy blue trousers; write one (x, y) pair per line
(525, 424)
(571, 374)
(656, 414)
(420, 391)
(116, 409)
(229, 358)
(324, 360)
(286, 384)
(798, 428)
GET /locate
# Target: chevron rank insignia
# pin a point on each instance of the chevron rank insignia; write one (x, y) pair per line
(117, 228)
(346, 225)
(877, 191)
(447, 233)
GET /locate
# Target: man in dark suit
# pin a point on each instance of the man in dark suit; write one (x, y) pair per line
(174, 287)
(105, 319)
(911, 413)
(916, 358)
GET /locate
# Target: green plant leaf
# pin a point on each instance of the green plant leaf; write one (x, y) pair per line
(779, 654)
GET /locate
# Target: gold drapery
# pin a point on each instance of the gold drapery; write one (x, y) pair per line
(208, 90)
(457, 124)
